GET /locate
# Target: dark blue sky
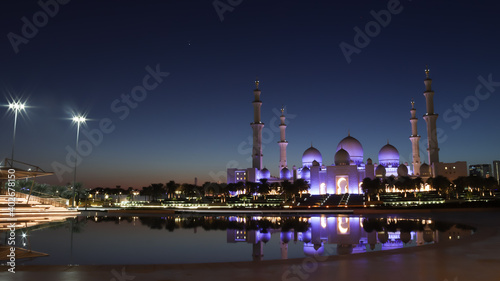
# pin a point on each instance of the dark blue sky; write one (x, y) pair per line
(195, 122)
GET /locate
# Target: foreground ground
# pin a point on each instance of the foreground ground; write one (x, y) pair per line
(470, 259)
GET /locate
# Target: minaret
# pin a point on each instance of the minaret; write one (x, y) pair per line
(415, 139)
(257, 126)
(430, 118)
(282, 143)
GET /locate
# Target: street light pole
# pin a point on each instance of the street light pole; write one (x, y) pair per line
(78, 120)
(16, 106)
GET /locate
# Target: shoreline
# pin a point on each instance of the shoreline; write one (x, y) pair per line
(354, 211)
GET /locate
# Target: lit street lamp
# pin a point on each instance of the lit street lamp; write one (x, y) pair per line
(77, 120)
(16, 107)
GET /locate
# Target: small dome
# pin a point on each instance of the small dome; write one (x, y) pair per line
(369, 161)
(388, 155)
(265, 236)
(424, 170)
(311, 154)
(286, 236)
(265, 174)
(306, 236)
(342, 158)
(316, 163)
(380, 171)
(285, 174)
(353, 147)
(383, 237)
(402, 170)
(405, 236)
(305, 173)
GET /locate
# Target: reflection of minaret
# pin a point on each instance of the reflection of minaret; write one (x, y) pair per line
(415, 139)
(284, 250)
(257, 126)
(258, 251)
(430, 118)
(282, 143)
(285, 238)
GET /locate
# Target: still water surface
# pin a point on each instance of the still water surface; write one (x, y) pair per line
(175, 239)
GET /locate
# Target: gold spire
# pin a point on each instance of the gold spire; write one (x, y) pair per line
(427, 71)
(257, 83)
(412, 104)
(348, 132)
(282, 110)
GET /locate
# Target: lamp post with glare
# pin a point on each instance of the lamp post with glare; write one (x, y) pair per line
(16, 106)
(78, 120)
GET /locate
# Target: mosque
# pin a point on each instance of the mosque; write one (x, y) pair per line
(349, 169)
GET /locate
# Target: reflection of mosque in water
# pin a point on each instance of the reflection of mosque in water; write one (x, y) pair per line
(347, 235)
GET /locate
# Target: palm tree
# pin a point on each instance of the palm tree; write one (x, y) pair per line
(263, 187)
(288, 189)
(460, 184)
(441, 184)
(404, 183)
(301, 186)
(390, 181)
(171, 187)
(371, 187)
(252, 187)
(490, 184)
(417, 183)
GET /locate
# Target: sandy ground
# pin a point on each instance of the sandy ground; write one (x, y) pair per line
(474, 258)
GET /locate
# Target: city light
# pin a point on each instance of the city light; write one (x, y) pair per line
(16, 107)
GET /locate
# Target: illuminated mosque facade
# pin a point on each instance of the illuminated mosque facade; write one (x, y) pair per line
(349, 170)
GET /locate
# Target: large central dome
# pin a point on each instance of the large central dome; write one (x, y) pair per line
(388, 155)
(353, 147)
(311, 154)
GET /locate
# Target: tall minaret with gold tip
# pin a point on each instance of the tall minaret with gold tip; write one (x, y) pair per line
(415, 139)
(282, 143)
(430, 118)
(257, 126)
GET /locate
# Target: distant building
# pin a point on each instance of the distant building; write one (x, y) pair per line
(451, 170)
(496, 170)
(480, 170)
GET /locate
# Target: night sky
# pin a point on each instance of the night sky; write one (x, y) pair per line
(195, 120)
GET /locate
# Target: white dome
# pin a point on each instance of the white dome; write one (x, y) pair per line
(388, 155)
(353, 147)
(311, 154)
(380, 171)
(265, 236)
(342, 158)
(285, 174)
(306, 236)
(305, 173)
(265, 174)
(286, 236)
(402, 170)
